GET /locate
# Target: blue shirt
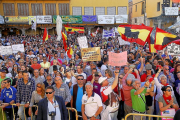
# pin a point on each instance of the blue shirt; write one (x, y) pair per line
(164, 56)
(177, 82)
(78, 98)
(7, 95)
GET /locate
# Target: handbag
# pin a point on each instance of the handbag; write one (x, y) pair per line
(144, 102)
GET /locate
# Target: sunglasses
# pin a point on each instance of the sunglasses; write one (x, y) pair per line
(169, 90)
(39, 86)
(49, 92)
(120, 77)
(80, 79)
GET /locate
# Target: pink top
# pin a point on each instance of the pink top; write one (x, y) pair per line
(127, 91)
(58, 61)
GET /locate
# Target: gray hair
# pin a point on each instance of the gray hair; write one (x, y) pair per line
(134, 80)
(89, 83)
(162, 76)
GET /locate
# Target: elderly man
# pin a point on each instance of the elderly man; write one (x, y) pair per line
(111, 108)
(49, 81)
(54, 64)
(170, 76)
(37, 78)
(109, 75)
(91, 103)
(138, 97)
(62, 89)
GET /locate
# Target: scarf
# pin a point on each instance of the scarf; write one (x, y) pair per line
(167, 99)
(165, 84)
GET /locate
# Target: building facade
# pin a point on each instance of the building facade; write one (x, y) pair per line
(152, 13)
(21, 8)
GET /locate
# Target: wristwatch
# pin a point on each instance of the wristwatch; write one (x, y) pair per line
(94, 116)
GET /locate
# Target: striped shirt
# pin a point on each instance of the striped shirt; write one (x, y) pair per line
(24, 91)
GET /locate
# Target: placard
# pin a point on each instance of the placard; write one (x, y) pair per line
(32, 18)
(69, 19)
(168, 112)
(123, 42)
(16, 19)
(118, 59)
(173, 49)
(82, 42)
(171, 11)
(91, 54)
(44, 19)
(105, 19)
(18, 47)
(121, 18)
(5, 50)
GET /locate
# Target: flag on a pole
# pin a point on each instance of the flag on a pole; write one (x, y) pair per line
(151, 41)
(45, 35)
(93, 34)
(72, 30)
(70, 52)
(64, 37)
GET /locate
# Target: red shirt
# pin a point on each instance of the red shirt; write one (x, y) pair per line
(36, 66)
(144, 76)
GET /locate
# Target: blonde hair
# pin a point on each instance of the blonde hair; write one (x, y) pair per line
(42, 89)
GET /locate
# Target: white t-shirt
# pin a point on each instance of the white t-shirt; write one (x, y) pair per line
(92, 104)
(74, 81)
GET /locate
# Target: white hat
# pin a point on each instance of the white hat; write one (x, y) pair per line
(101, 79)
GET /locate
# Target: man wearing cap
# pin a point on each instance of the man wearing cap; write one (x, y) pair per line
(148, 72)
(96, 85)
(109, 98)
(91, 103)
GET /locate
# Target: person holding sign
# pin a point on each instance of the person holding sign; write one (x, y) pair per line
(167, 102)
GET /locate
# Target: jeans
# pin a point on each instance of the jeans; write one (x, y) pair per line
(127, 110)
(21, 112)
(150, 111)
(114, 115)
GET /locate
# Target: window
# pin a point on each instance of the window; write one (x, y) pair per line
(8, 9)
(111, 10)
(122, 10)
(23, 9)
(143, 7)
(50, 8)
(88, 11)
(77, 11)
(135, 20)
(36, 9)
(100, 10)
(136, 8)
(158, 6)
(63, 8)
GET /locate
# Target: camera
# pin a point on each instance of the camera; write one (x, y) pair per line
(52, 113)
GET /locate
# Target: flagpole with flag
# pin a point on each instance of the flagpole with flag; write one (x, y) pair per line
(45, 35)
(64, 37)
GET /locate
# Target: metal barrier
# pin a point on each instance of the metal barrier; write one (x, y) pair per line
(68, 108)
(147, 115)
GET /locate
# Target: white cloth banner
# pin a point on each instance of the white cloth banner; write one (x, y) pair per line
(44, 19)
(5, 50)
(82, 42)
(18, 47)
(105, 19)
(121, 18)
(171, 11)
(123, 42)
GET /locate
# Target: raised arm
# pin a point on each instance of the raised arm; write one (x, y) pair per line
(156, 78)
(142, 65)
(124, 78)
(116, 73)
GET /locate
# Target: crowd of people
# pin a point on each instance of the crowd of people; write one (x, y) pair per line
(44, 76)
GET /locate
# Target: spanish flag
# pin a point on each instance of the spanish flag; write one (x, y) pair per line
(135, 33)
(151, 41)
(45, 35)
(164, 38)
(70, 52)
(64, 37)
(72, 30)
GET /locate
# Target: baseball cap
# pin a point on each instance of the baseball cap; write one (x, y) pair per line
(148, 67)
(5, 70)
(102, 79)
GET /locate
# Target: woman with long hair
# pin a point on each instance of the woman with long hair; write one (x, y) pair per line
(42, 73)
(14, 71)
(37, 95)
(176, 70)
(18, 76)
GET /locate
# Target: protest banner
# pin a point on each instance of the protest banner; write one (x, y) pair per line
(17, 19)
(91, 54)
(18, 47)
(44, 19)
(5, 50)
(118, 59)
(123, 42)
(169, 112)
(69, 19)
(89, 18)
(105, 19)
(173, 49)
(82, 42)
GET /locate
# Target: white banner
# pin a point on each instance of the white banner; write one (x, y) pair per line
(121, 18)
(123, 42)
(44, 19)
(171, 11)
(18, 47)
(82, 42)
(5, 50)
(105, 19)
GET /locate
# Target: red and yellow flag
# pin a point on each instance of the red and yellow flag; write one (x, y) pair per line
(135, 33)
(64, 37)
(45, 35)
(164, 38)
(72, 30)
(70, 52)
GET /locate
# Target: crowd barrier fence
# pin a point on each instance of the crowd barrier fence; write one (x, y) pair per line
(68, 108)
